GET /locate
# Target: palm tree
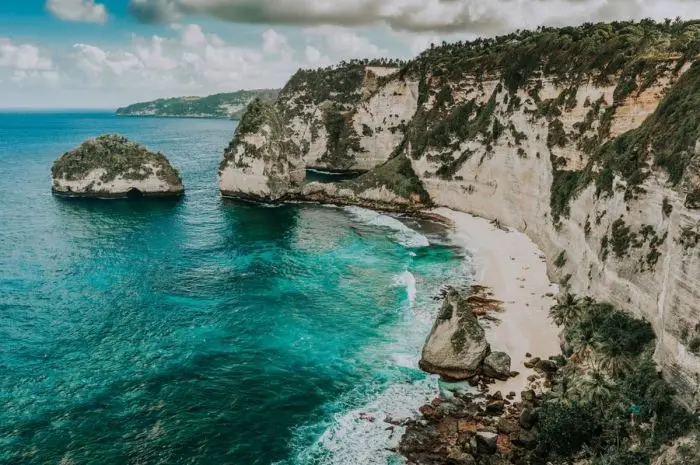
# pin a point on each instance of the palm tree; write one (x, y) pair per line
(565, 389)
(611, 360)
(595, 387)
(566, 310)
(583, 338)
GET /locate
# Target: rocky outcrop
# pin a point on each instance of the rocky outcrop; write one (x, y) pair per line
(462, 430)
(391, 186)
(497, 366)
(110, 166)
(261, 163)
(457, 346)
(586, 139)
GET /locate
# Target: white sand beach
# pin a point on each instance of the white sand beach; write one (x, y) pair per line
(513, 267)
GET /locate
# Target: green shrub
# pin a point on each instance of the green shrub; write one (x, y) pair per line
(565, 185)
(342, 140)
(561, 259)
(667, 208)
(694, 345)
(565, 428)
(397, 175)
(692, 200)
(603, 415)
(622, 237)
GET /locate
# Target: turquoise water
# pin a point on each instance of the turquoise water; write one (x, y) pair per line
(201, 331)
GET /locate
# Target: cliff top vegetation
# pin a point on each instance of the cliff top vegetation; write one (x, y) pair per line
(117, 156)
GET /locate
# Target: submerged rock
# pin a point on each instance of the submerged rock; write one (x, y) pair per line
(456, 346)
(111, 166)
(261, 163)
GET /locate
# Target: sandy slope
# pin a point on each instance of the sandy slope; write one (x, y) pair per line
(512, 266)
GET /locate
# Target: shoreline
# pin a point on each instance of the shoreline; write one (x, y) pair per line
(513, 268)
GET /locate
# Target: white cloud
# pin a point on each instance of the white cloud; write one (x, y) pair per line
(36, 77)
(192, 35)
(421, 42)
(343, 43)
(184, 59)
(191, 61)
(443, 16)
(24, 57)
(24, 65)
(275, 43)
(78, 10)
(313, 55)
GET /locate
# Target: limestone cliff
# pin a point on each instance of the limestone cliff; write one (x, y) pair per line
(262, 163)
(110, 166)
(586, 138)
(350, 117)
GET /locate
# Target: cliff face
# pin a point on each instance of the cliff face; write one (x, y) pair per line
(349, 118)
(625, 246)
(261, 163)
(587, 139)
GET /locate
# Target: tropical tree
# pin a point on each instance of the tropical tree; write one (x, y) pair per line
(566, 310)
(610, 359)
(595, 387)
(582, 337)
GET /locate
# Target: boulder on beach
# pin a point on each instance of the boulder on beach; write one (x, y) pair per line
(497, 366)
(456, 346)
(111, 166)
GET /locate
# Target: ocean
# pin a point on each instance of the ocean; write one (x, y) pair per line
(203, 330)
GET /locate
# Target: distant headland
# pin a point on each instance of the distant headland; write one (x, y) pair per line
(230, 105)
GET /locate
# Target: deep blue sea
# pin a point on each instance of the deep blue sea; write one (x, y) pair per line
(202, 331)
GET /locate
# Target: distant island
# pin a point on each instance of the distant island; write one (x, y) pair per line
(230, 105)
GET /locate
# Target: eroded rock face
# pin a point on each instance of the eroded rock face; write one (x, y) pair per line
(261, 163)
(350, 117)
(456, 346)
(110, 166)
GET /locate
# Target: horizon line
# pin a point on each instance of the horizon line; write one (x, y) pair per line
(45, 109)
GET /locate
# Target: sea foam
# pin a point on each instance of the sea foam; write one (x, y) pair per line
(362, 436)
(407, 280)
(400, 232)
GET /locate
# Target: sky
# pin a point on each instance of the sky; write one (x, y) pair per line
(110, 53)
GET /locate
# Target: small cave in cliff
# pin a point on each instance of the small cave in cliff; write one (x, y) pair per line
(134, 193)
(315, 175)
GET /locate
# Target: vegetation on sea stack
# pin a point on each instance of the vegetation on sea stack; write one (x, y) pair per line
(117, 156)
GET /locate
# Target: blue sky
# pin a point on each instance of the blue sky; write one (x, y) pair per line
(109, 53)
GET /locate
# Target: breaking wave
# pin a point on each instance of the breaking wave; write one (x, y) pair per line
(400, 232)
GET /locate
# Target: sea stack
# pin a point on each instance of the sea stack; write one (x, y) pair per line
(261, 163)
(457, 346)
(111, 166)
